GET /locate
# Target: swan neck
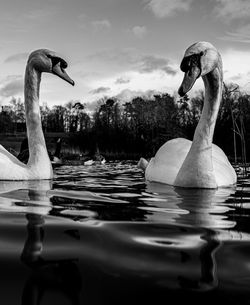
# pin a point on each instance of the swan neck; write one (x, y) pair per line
(213, 92)
(31, 89)
(37, 146)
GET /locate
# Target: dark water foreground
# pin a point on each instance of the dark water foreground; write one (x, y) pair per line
(100, 235)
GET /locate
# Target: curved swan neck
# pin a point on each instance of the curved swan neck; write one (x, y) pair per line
(37, 146)
(213, 92)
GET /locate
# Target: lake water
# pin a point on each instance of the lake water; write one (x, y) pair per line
(100, 235)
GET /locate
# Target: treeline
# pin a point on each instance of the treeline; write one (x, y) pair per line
(141, 126)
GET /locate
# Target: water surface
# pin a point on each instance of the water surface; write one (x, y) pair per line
(101, 235)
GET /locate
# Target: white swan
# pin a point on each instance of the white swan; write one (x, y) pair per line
(39, 165)
(197, 164)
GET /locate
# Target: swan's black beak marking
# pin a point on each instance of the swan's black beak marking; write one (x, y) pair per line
(191, 66)
(189, 80)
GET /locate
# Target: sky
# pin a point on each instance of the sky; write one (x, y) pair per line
(119, 48)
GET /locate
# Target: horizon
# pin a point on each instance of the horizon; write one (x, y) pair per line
(118, 48)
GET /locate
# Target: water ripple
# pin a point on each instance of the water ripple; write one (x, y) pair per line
(101, 235)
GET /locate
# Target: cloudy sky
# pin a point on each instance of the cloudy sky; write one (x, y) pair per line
(119, 47)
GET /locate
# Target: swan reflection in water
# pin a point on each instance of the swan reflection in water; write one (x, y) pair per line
(29, 196)
(59, 275)
(197, 208)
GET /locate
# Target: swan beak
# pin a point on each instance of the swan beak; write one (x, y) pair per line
(189, 80)
(60, 72)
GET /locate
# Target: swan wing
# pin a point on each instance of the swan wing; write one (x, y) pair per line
(167, 162)
(10, 167)
(7, 158)
(225, 174)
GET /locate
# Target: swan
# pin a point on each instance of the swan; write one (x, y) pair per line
(39, 165)
(198, 164)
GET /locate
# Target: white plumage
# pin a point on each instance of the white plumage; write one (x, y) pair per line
(39, 165)
(197, 163)
(168, 160)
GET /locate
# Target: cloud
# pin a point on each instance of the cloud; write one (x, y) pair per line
(166, 8)
(232, 9)
(127, 95)
(12, 86)
(236, 67)
(130, 59)
(88, 75)
(115, 56)
(242, 34)
(82, 16)
(17, 57)
(150, 63)
(237, 77)
(139, 31)
(122, 80)
(100, 90)
(91, 106)
(101, 24)
(40, 14)
(82, 21)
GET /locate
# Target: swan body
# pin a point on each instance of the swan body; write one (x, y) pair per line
(171, 156)
(197, 163)
(89, 162)
(94, 162)
(39, 165)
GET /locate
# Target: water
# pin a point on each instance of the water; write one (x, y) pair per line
(100, 235)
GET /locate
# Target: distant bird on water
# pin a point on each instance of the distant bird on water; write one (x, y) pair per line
(55, 159)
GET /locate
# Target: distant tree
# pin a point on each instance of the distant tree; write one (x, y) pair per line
(141, 125)
(56, 120)
(18, 114)
(45, 111)
(6, 120)
(81, 118)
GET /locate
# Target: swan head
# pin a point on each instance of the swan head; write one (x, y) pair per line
(44, 60)
(199, 59)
